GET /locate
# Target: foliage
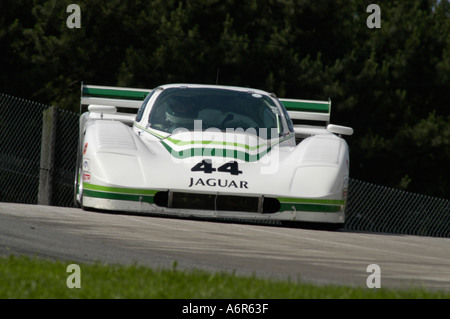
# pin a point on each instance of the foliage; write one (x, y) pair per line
(391, 84)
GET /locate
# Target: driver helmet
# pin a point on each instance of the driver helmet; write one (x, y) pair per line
(181, 111)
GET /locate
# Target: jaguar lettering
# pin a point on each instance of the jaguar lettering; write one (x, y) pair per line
(217, 182)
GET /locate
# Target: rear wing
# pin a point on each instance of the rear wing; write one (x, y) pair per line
(104, 101)
(308, 110)
(113, 96)
(316, 114)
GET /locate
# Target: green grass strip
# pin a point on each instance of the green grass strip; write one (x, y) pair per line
(34, 278)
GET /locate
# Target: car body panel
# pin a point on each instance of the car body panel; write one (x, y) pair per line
(129, 165)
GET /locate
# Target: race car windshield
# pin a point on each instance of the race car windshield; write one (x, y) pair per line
(226, 110)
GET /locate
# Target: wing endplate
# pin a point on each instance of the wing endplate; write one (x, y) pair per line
(308, 109)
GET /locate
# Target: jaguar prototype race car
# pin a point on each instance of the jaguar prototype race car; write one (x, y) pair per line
(211, 151)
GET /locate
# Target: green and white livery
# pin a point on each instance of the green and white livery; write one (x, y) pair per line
(211, 151)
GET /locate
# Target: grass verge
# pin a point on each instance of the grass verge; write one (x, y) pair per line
(29, 278)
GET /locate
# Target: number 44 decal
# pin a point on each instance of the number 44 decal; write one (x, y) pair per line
(206, 167)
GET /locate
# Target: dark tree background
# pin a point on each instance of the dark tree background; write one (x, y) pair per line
(391, 84)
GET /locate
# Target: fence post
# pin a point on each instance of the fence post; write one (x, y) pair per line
(48, 142)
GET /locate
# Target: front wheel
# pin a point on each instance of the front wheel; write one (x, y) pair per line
(78, 189)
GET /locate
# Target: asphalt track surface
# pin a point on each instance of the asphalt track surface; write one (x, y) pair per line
(323, 257)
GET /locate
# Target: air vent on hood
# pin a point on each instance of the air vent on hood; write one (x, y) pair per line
(113, 136)
(322, 150)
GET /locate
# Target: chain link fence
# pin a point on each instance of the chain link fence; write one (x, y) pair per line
(370, 208)
(21, 123)
(65, 158)
(21, 127)
(383, 209)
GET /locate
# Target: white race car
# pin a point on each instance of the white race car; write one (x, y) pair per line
(211, 151)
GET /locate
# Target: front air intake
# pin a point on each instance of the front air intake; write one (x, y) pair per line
(216, 202)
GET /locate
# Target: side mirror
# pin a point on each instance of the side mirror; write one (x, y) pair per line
(338, 129)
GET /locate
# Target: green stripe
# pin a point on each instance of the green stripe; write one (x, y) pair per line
(107, 189)
(216, 152)
(115, 93)
(304, 106)
(311, 201)
(184, 143)
(119, 193)
(311, 204)
(219, 152)
(147, 195)
(108, 195)
(310, 208)
(150, 131)
(208, 151)
(149, 199)
(223, 143)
